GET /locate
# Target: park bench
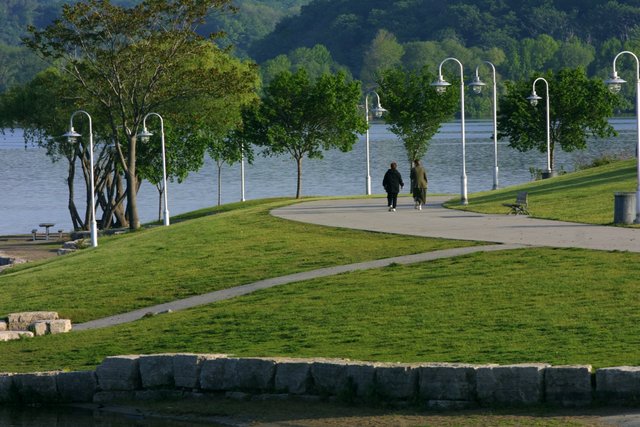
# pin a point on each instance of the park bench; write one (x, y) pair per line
(520, 205)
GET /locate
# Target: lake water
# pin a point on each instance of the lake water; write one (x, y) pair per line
(33, 189)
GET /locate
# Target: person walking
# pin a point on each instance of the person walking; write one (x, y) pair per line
(392, 183)
(419, 184)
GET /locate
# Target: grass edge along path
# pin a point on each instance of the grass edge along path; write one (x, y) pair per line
(585, 196)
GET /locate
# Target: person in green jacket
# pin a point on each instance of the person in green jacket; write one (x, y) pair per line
(392, 183)
(419, 184)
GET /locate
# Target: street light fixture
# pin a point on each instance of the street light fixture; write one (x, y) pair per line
(377, 111)
(534, 98)
(477, 86)
(441, 86)
(615, 84)
(72, 137)
(144, 136)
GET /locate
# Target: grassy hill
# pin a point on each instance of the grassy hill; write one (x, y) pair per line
(562, 306)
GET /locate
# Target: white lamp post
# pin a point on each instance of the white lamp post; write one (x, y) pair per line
(72, 136)
(242, 199)
(533, 100)
(377, 111)
(615, 84)
(477, 86)
(441, 86)
(144, 135)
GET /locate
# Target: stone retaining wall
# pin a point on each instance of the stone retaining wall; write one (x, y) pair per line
(430, 385)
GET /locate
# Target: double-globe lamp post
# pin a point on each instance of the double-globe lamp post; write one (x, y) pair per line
(534, 98)
(377, 111)
(144, 135)
(441, 86)
(477, 84)
(615, 84)
(72, 136)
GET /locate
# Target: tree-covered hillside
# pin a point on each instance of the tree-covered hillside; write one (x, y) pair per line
(347, 27)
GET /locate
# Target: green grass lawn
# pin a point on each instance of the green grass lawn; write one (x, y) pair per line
(561, 306)
(586, 196)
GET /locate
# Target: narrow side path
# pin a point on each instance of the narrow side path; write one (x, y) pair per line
(224, 294)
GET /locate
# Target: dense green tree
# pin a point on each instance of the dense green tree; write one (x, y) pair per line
(302, 117)
(316, 61)
(579, 107)
(131, 61)
(415, 109)
(383, 52)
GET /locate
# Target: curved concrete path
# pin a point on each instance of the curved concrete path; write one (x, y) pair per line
(437, 221)
(507, 231)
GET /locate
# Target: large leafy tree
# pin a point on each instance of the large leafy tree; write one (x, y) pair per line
(302, 117)
(415, 109)
(127, 62)
(578, 107)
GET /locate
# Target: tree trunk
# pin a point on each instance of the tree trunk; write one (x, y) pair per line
(299, 184)
(73, 211)
(132, 186)
(160, 192)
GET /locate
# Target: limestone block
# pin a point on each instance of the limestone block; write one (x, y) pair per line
(39, 387)
(3, 325)
(59, 326)
(511, 384)
(38, 328)
(618, 384)
(162, 394)
(293, 376)
(187, 367)
(568, 385)
(6, 388)
(397, 381)
(226, 374)
(447, 381)
(156, 371)
(329, 376)
(119, 373)
(21, 321)
(79, 386)
(14, 335)
(362, 376)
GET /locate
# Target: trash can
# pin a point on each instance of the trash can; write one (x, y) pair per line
(624, 208)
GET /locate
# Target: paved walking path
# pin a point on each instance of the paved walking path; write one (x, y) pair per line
(506, 231)
(436, 221)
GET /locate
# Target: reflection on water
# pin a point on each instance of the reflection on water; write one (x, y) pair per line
(33, 190)
(75, 417)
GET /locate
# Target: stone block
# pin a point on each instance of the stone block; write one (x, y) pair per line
(362, 377)
(397, 381)
(7, 392)
(293, 376)
(511, 384)
(39, 387)
(38, 328)
(156, 371)
(59, 326)
(329, 376)
(447, 382)
(119, 373)
(3, 325)
(568, 385)
(619, 384)
(187, 367)
(227, 374)
(77, 387)
(21, 321)
(14, 335)
(157, 394)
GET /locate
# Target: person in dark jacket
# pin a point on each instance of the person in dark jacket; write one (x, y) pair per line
(392, 184)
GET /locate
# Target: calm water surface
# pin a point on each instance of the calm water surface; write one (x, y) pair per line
(33, 189)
